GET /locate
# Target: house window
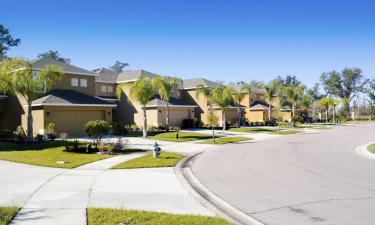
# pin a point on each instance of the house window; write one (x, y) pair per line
(261, 97)
(251, 100)
(74, 82)
(103, 88)
(83, 82)
(110, 89)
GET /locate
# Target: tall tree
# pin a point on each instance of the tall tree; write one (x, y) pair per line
(18, 77)
(165, 87)
(141, 91)
(369, 90)
(238, 97)
(294, 94)
(343, 85)
(271, 90)
(6, 40)
(222, 96)
(54, 55)
(119, 66)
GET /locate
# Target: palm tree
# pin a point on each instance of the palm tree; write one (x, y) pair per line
(142, 92)
(222, 96)
(293, 94)
(324, 104)
(208, 95)
(17, 77)
(165, 88)
(238, 96)
(271, 89)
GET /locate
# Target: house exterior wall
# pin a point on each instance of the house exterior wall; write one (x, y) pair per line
(71, 120)
(14, 108)
(65, 83)
(99, 92)
(256, 116)
(38, 121)
(176, 116)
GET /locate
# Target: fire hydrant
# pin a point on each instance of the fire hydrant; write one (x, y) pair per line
(157, 150)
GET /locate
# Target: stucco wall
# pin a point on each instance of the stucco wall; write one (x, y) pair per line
(65, 83)
(256, 116)
(98, 89)
(13, 110)
(38, 121)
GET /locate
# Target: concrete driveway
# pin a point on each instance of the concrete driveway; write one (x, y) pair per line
(308, 178)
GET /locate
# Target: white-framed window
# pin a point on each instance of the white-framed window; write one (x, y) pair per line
(83, 82)
(103, 88)
(110, 89)
(74, 82)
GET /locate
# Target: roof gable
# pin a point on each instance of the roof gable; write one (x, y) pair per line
(133, 75)
(193, 83)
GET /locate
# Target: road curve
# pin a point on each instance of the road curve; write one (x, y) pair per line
(308, 178)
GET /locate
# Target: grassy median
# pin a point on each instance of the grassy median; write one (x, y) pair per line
(7, 214)
(371, 148)
(182, 136)
(251, 130)
(166, 159)
(100, 216)
(226, 140)
(45, 154)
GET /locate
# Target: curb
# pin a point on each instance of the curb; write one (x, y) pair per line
(206, 197)
(362, 150)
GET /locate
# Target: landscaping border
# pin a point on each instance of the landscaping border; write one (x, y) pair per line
(206, 197)
(363, 151)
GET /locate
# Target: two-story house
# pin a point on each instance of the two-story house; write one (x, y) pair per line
(69, 104)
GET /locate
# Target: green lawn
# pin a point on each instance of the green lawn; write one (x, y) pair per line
(7, 214)
(286, 132)
(166, 159)
(226, 140)
(182, 136)
(45, 154)
(250, 130)
(371, 148)
(98, 216)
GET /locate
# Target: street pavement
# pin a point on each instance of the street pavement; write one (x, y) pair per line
(314, 177)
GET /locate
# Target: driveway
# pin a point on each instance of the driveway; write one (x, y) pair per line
(308, 178)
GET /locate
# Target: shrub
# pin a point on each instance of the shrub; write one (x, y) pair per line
(297, 119)
(120, 128)
(6, 134)
(51, 131)
(134, 127)
(20, 134)
(97, 129)
(39, 137)
(175, 129)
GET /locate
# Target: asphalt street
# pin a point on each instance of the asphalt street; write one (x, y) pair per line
(308, 178)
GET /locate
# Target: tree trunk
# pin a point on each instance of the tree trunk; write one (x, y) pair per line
(269, 112)
(167, 118)
(239, 115)
(347, 108)
(293, 109)
(144, 122)
(223, 121)
(213, 133)
(334, 114)
(29, 122)
(327, 116)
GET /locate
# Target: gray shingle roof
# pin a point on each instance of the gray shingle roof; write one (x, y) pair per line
(67, 68)
(106, 75)
(238, 87)
(69, 97)
(133, 75)
(173, 102)
(193, 83)
(258, 105)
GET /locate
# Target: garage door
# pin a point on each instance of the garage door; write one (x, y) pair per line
(73, 122)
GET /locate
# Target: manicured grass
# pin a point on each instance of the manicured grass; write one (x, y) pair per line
(46, 154)
(182, 136)
(7, 214)
(166, 159)
(250, 130)
(286, 132)
(99, 216)
(371, 148)
(226, 140)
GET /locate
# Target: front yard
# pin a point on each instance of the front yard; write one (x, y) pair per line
(7, 214)
(371, 148)
(265, 130)
(182, 136)
(226, 140)
(100, 216)
(166, 159)
(46, 154)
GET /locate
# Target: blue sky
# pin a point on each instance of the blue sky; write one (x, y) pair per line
(221, 40)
